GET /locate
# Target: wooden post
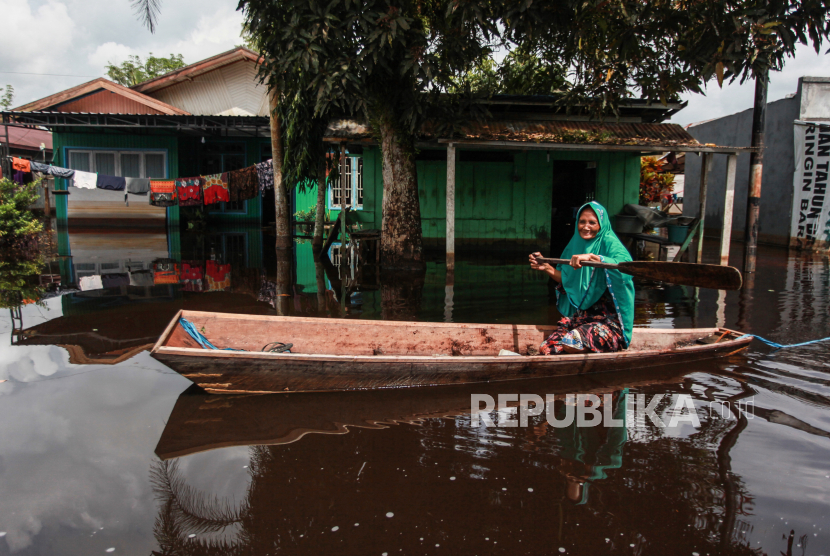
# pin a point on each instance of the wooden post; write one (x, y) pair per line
(728, 201)
(343, 236)
(450, 207)
(756, 170)
(705, 165)
(281, 201)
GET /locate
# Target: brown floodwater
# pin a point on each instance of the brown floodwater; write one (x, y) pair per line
(104, 450)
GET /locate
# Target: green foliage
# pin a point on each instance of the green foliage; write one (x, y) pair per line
(16, 220)
(8, 98)
(135, 71)
(310, 215)
(654, 186)
(520, 73)
(19, 283)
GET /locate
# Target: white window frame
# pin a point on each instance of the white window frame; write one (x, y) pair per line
(117, 155)
(354, 185)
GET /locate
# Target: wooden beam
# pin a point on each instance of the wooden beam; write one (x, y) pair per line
(705, 166)
(450, 207)
(343, 235)
(728, 201)
(697, 222)
(661, 148)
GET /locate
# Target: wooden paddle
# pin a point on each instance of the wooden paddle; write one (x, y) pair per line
(712, 276)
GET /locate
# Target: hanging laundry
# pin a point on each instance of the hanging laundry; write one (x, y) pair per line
(243, 184)
(165, 272)
(84, 180)
(21, 178)
(190, 192)
(192, 276)
(163, 193)
(138, 186)
(141, 278)
(265, 174)
(216, 188)
(88, 283)
(218, 276)
(112, 183)
(115, 280)
(50, 170)
(21, 164)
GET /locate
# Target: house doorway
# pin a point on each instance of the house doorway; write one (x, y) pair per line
(574, 184)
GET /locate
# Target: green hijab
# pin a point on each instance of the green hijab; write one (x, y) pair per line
(584, 286)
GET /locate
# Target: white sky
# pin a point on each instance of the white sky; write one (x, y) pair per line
(79, 37)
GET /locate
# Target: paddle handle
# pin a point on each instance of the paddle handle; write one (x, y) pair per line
(584, 263)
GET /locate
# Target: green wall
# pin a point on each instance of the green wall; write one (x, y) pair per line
(496, 200)
(61, 142)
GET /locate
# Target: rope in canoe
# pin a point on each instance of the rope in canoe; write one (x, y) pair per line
(776, 345)
(190, 328)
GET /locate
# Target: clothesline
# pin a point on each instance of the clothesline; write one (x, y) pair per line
(235, 185)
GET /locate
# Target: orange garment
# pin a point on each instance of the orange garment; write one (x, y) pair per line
(165, 273)
(218, 276)
(21, 164)
(216, 188)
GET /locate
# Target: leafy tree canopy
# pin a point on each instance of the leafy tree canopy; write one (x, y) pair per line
(135, 71)
(8, 98)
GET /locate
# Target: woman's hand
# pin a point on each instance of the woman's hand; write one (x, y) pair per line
(576, 260)
(544, 267)
(537, 265)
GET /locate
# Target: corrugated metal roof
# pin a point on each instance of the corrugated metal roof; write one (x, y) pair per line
(29, 138)
(570, 132)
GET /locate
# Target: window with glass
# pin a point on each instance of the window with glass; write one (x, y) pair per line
(127, 164)
(353, 178)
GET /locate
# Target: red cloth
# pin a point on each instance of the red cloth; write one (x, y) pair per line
(216, 188)
(21, 164)
(190, 192)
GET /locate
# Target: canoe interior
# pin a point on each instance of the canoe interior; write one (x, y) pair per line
(367, 338)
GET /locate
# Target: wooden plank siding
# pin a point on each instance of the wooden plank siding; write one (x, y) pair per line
(63, 142)
(495, 201)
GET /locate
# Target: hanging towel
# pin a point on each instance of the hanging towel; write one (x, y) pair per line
(112, 183)
(22, 177)
(216, 188)
(218, 276)
(21, 164)
(190, 192)
(165, 272)
(115, 280)
(142, 278)
(243, 184)
(90, 283)
(50, 170)
(84, 180)
(138, 186)
(163, 193)
(265, 173)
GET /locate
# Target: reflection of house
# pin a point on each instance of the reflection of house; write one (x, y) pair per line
(811, 102)
(205, 118)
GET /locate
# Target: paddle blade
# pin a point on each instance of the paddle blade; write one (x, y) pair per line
(712, 276)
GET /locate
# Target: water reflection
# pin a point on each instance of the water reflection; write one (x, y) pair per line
(87, 422)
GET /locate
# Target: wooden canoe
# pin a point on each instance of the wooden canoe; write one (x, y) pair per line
(346, 354)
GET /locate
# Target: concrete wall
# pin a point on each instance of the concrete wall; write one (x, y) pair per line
(815, 98)
(776, 188)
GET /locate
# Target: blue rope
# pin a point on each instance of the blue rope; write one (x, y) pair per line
(776, 345)
(196, 335)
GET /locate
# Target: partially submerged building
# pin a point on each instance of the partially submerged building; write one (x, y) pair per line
(810, 103)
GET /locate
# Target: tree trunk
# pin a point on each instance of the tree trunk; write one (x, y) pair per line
(320, 220)
(281, 198)
(401, 245)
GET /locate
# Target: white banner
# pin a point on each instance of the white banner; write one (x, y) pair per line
(809, 228)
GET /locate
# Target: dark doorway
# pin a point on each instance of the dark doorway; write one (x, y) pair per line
(574, 184)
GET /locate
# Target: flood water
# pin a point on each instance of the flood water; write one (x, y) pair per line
(104, 450)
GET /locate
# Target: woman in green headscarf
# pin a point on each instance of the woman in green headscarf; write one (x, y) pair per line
(597, 304)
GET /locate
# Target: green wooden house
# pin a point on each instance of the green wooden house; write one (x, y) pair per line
(518, 178)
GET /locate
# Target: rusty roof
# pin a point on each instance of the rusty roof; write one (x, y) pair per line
(565, 132)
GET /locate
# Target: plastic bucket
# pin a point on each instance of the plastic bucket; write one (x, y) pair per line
(627, 224)
(677, 233)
